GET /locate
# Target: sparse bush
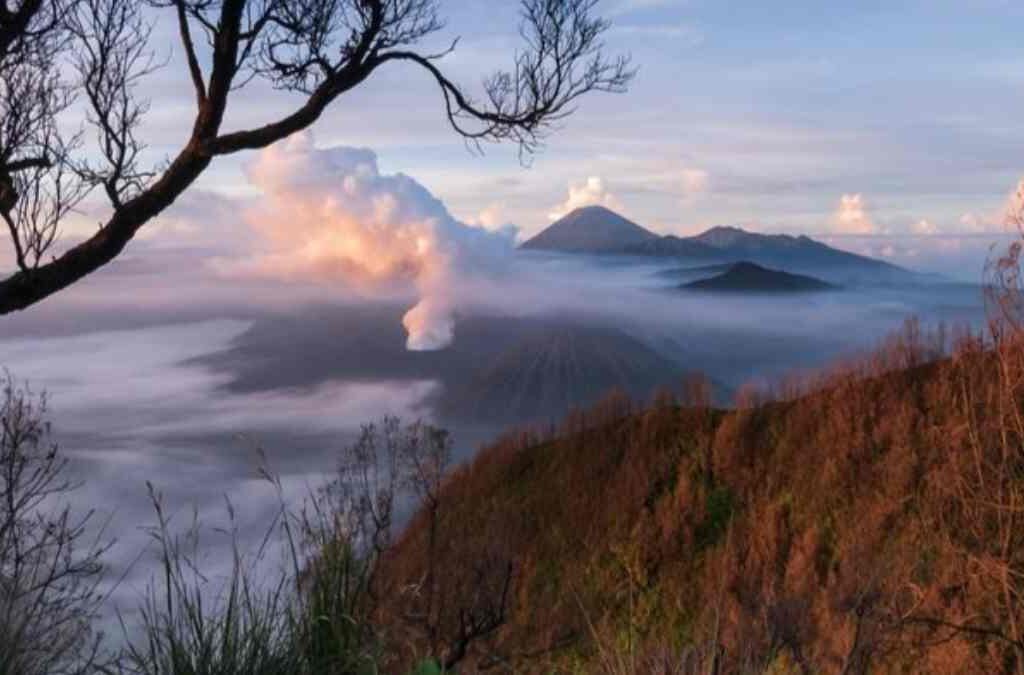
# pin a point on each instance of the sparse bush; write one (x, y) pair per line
(320, 615)
(190, 626)
(718, 510)
(310, 616)
(50, 562)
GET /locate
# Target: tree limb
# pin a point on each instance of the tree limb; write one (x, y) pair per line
(323, 48)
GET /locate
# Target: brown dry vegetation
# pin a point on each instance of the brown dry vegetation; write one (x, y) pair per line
(867, 519)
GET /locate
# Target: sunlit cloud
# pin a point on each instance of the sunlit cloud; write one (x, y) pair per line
(694, 183)
(852, 216)
(591, 192)
(492, 217)
(924, 227)
(1009, 215)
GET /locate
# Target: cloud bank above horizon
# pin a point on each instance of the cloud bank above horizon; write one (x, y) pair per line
(763, 115)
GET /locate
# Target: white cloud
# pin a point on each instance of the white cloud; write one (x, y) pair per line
(198, 217)
(924, 227)
(694, 183)
(626, 6)
(591, 192)
(1009, 215)
(679, 33)
(491, 217)
(1013, 211)
(973, 223)
(852, 216)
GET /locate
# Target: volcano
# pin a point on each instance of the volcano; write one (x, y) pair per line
(560, 366)
(591, 229)
(748, 277)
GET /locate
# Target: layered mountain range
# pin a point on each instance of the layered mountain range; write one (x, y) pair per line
(598, 230)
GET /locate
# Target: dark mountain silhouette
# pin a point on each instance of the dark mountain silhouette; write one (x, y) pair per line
(787, 251)
(591, 229)
(674, 247)
(698, 272)
(598, 230)
(748, 277)
(737, 238)
(543, 375)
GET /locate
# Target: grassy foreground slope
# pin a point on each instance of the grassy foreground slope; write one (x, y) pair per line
(864, 520)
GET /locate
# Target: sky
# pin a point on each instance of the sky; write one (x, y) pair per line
(890, 128)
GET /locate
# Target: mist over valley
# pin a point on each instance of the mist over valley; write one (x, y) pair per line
(195, 400)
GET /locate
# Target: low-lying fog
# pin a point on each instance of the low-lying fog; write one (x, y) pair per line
(184, 395)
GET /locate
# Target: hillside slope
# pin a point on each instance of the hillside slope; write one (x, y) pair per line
(871, 523)
(671, 246)
(560, 366)
(796, 252)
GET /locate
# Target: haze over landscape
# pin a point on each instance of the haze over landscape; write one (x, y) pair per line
(762, 194)
(288, 375)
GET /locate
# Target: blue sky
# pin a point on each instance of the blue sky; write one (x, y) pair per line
(761, 114)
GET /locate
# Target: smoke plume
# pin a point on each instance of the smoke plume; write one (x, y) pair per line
(331, 215)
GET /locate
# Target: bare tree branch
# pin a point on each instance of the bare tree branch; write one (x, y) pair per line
(49, 570)
(195, 70)
(36, 189)
(564, 61)
(112, 59)
(319, 48)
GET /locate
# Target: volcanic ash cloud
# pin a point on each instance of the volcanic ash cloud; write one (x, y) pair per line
(331, 215)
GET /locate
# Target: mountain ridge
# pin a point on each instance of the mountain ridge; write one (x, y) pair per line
(809, 515)
(598, 230)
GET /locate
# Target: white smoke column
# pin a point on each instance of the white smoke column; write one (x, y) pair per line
(430, 323)
(330, 215)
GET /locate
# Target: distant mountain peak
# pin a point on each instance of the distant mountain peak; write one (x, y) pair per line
(723, 229)
(727, 236)
(723, 236)
(748, 277)
(590, 229)
(747, 267)
(592, 209)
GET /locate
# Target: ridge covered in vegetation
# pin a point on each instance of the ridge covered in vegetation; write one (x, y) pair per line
(863, 520)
